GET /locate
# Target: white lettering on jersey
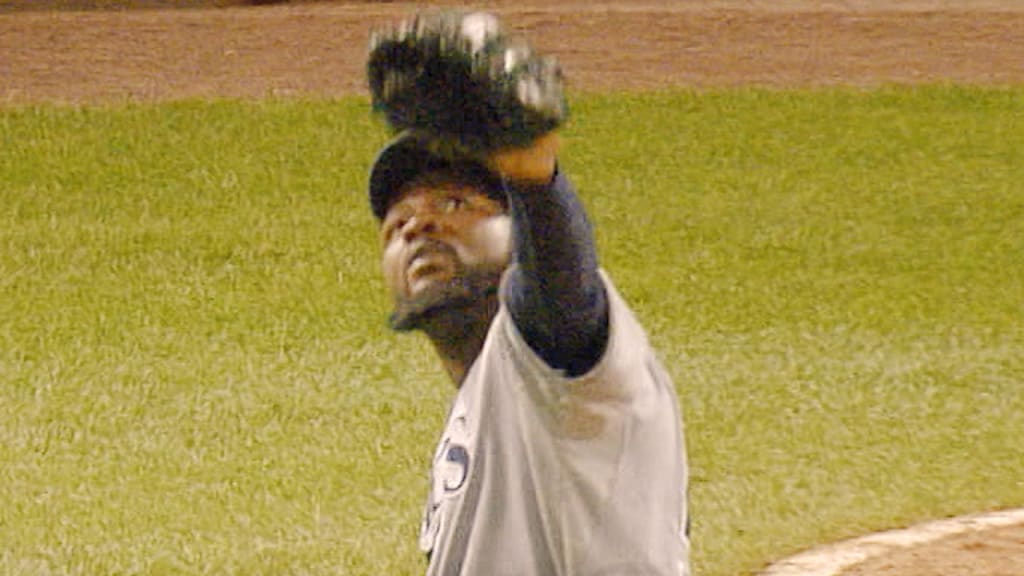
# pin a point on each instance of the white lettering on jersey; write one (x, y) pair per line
(448, 475)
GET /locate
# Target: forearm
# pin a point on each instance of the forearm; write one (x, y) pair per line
(555, 293)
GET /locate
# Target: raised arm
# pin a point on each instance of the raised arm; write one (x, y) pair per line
(555, 293)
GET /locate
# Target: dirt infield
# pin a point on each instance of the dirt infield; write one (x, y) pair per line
(985, 544)
(318, 49)
(224, 48)
(993, 552)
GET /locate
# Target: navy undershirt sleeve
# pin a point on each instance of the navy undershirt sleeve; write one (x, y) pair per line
(555, 295)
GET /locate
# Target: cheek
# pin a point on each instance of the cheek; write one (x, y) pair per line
(492, 239)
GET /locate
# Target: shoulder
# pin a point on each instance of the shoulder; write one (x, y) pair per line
(626, 355)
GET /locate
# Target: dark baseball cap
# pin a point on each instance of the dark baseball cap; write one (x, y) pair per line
(406, 157)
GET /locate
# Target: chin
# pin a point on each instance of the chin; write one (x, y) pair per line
(438, 298)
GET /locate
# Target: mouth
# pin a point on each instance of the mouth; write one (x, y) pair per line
(429, 262)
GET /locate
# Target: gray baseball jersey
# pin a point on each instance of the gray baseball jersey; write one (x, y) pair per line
(540, 474)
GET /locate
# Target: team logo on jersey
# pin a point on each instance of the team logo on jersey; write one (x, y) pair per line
(448, 475)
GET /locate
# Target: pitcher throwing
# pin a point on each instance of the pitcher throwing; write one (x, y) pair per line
(563, 453)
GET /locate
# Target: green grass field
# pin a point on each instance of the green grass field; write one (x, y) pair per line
(195, 376)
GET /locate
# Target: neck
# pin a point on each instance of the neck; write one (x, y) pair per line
(455, 318)
(458, 334)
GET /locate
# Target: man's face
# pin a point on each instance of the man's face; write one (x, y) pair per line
(443, 242)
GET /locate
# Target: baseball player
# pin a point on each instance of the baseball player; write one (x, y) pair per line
(563, 451)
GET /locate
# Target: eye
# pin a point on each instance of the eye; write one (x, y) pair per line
(454, 203)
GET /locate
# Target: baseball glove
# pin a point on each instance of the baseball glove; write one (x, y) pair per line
(459, 81)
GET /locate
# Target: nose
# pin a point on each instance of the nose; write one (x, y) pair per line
(420, 224)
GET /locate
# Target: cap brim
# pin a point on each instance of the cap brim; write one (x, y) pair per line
(404, 159)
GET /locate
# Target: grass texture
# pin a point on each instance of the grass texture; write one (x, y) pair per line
(195, 375)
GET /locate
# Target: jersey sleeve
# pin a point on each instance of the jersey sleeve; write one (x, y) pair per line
(606, 448)
(611, 378)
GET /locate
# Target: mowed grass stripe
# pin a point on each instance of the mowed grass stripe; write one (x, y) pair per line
(195, 376)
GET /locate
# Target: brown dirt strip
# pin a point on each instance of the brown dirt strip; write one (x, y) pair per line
(993, 552)
(319, 49)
